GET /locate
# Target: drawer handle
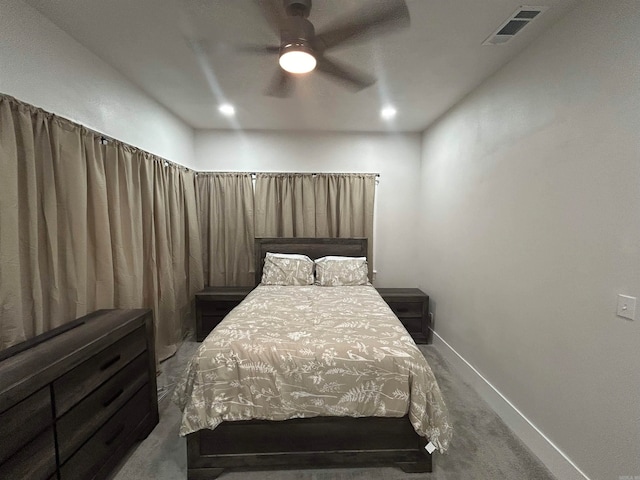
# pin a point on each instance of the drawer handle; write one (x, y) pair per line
(110, 362)
(115, 436)
(402, 309)
(106, 403)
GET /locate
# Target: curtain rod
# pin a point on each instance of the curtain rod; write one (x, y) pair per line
(253, 174)
(105, 139)
(318, 173)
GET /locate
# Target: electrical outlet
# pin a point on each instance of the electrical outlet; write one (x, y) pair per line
(626, 307)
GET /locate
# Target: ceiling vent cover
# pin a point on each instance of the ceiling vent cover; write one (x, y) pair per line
(516, 22)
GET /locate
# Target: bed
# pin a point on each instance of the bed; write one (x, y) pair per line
(286, 398)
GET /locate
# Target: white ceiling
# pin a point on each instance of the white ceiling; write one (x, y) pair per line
(422, 70)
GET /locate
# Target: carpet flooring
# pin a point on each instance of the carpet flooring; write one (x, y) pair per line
(483, 447)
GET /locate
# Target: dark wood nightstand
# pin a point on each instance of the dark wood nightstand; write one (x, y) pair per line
(411, 306)
(213, 304)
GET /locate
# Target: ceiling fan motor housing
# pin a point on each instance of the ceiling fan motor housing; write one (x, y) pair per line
(296, 36)
(297, 30)
(297, 8)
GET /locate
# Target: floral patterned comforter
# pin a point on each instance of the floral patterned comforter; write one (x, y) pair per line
(304, 351)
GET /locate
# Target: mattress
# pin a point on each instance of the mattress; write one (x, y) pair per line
(294, 352)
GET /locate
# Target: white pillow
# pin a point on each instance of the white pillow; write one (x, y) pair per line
(287, 269)
(334, 271)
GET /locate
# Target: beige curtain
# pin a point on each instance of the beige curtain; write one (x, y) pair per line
(225, 206)
(85, 226)
(285, 205)
(316, 205)
(344, 204)
(344, 207)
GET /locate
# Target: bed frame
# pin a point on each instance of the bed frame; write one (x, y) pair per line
(319, 442)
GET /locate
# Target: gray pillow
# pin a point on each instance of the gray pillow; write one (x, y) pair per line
(287, 269)
(336, 271)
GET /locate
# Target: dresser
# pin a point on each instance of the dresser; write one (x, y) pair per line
(213, 304)
(411, 306)
(74, 400)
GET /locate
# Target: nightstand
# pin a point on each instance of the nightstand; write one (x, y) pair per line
(213, 304)
(411, 306)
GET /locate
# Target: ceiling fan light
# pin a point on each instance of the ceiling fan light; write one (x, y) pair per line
(297, 58)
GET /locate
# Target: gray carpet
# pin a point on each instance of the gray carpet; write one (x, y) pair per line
(483, 447)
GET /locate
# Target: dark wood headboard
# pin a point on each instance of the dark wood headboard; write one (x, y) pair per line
(312, 247)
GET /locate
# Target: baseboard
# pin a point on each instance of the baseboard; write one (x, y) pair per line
(555, 460)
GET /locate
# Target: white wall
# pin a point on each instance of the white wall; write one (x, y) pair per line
(530, 210)
(42, 65)
(395, 157)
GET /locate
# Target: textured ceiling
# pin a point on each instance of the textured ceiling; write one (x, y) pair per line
(422, 70)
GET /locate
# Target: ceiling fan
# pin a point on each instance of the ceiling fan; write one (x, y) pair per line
(302, 50)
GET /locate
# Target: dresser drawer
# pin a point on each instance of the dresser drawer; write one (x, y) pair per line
(411, 306)
(34, 461)
(210, 314)
(117, 431)
(22, 422)
(218, 308)
(406, 309)
(413, 324)
(81, 421)
(213, 304)
(79, 382)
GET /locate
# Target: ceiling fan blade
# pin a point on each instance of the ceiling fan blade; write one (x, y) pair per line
(389, 15)
(281, 86)
(259, 49)
(352, 78)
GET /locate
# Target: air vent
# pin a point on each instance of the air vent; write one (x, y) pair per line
(512, 25)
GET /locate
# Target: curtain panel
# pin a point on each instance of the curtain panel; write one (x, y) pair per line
(316, 205)
(225, 206)
(285, 205)
(86, 225)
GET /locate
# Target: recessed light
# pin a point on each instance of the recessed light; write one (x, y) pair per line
(227, 110)
(387, 113)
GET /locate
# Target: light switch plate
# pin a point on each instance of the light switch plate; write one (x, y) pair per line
(626, 307)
